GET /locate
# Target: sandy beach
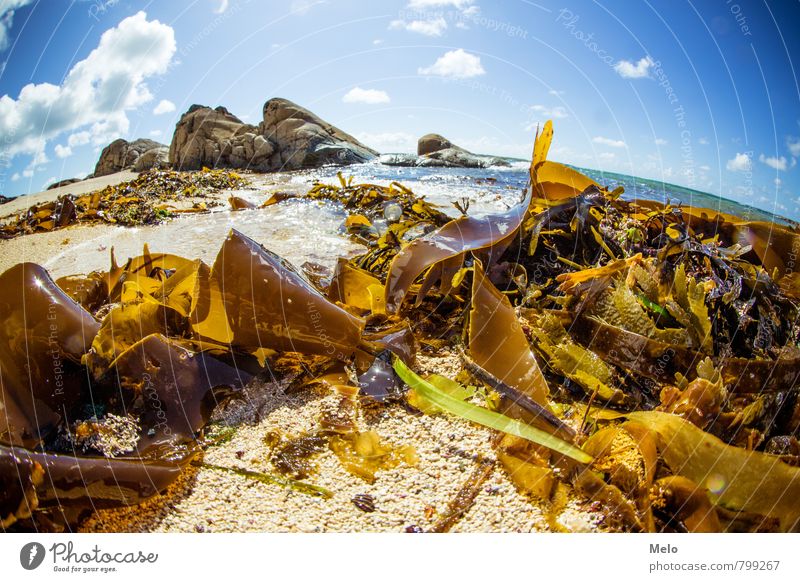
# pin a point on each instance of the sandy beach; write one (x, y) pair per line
(406, 498)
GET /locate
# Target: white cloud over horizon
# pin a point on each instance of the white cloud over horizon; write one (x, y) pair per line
(638, 70)
(389, 142)
(97, 92)
(368, 96)
(612, 143)
(455, 64)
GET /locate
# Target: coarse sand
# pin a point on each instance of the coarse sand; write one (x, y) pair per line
(405, 497)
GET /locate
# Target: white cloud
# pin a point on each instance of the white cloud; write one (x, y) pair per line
(424, 4)
(394, 142)
(555, 93)
(739, 163)
(554, 112)
(303, 6)
(606, 156)
(15, 177)
(778, 182)
(368, 96)
(39, 159)
(457, 64)
(96, 93)
(78, 139)
(793, 143)
(156, 133)
(629, 70)
(774, 163)
(703, 141)
(660, 142)
(50, 180)
(164, 106)
(539, 113)
(377, 41)
(7, 9)
(612, 143)
(63, 151)
(705, 168)
(430, 27)
(223, 6)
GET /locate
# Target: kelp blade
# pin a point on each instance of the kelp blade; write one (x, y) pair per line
(736, 478)
(486, 417)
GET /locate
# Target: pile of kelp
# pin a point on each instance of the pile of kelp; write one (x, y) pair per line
(148, 199)
(641, 356)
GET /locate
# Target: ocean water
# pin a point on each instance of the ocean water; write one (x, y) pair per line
(483, 186)
(303, 230)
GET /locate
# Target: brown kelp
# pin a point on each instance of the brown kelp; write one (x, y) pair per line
(166, 341)
(638, 355)
(150, 198)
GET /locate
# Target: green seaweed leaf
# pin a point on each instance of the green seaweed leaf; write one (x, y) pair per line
(487, 417)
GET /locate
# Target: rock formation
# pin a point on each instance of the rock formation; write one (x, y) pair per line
(289, 137)
(61, 183)
(434, 150)
(121, 155)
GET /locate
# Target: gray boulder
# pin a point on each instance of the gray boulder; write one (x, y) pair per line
(121, 154)
(152, 158)
(412, 160)
(434, 150)
(289, 137)
(213, 138)
(304, 140)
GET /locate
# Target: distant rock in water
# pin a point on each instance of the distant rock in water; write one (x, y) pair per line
(121, 155)
(289, 137)
(61, 183)
(434, 150)
(432, 142)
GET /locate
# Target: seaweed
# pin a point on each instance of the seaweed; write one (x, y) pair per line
(147, 199)
(643, 356)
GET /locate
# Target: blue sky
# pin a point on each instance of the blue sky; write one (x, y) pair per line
(702, 94)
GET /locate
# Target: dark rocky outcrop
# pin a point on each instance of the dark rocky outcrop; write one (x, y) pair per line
(432, 142)
(61, 183)
(288, 138)
(434, 150)
(121, 155)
